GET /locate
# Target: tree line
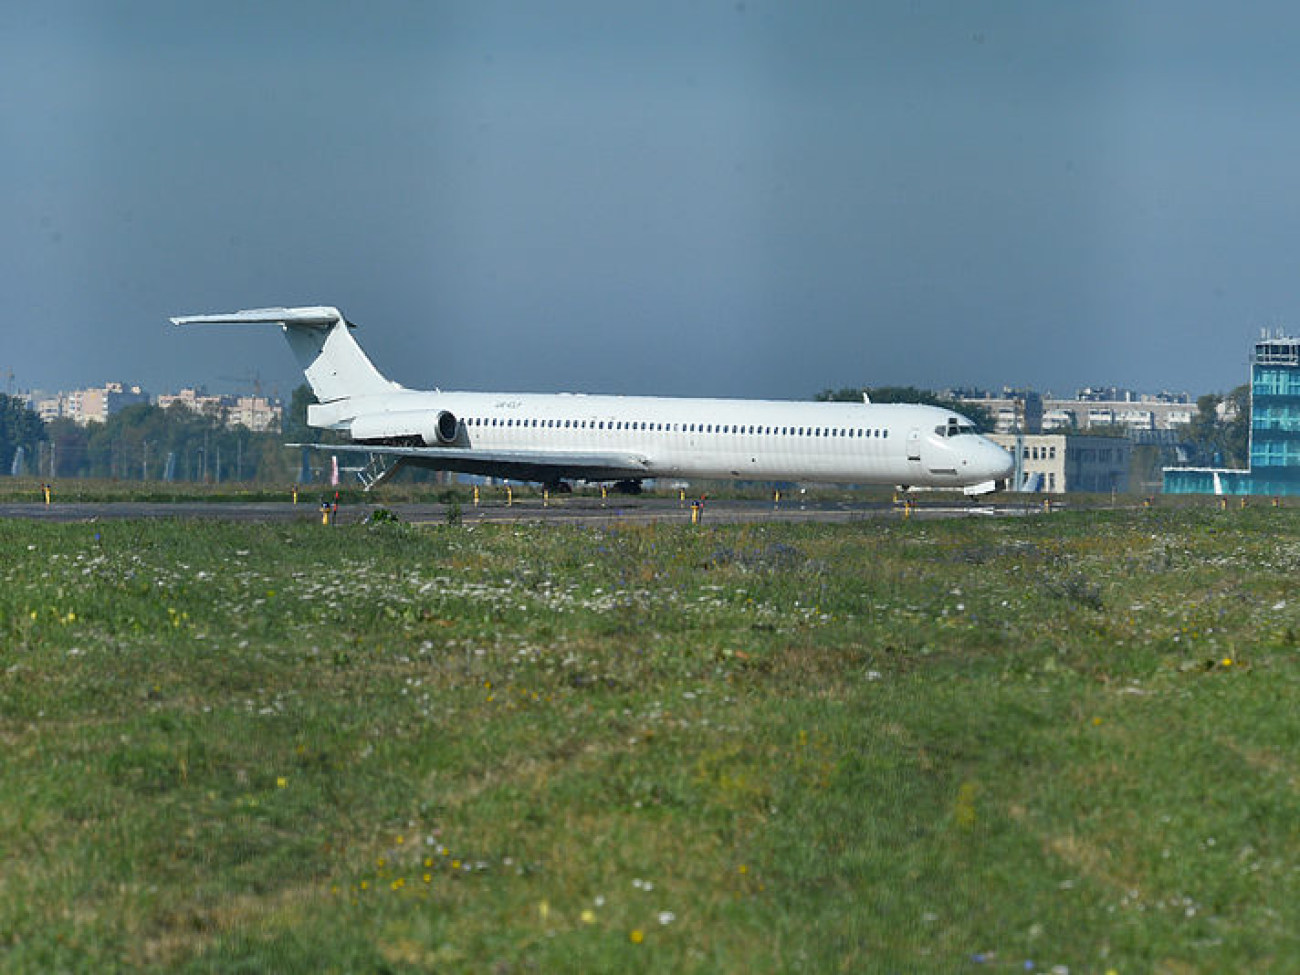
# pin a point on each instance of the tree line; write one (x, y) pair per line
(152, 443)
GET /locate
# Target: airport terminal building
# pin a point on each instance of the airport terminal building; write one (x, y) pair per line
(1054, 463)
(1274, 431)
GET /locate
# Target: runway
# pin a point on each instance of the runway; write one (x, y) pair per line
(562, 510)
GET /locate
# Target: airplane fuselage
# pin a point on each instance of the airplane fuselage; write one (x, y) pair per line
(769, 440)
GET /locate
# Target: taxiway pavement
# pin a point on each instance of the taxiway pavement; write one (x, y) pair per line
(562, 510)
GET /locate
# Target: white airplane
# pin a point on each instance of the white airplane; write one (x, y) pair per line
(552, 438)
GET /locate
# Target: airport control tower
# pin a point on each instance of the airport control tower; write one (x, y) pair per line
(1275, 416)
(1274, 430)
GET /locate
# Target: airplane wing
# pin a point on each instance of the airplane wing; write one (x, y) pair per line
(543, 466)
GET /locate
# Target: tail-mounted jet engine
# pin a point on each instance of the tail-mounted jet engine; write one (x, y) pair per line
(407, 429)
(445, 428)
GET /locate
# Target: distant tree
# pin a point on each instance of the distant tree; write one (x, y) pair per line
(20, 426)
(1220, 431)
(977, 414)
(295, 418)
(67, 448)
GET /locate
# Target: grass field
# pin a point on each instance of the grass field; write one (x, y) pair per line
(972, 745)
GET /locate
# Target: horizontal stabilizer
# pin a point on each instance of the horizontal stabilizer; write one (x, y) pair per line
(330, 358)
(318, 316)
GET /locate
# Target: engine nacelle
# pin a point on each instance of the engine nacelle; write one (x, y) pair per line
(445, 429)
(411, 427)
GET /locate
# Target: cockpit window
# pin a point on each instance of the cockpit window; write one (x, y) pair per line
(955, 428)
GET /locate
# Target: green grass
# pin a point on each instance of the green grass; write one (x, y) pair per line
(888, 746)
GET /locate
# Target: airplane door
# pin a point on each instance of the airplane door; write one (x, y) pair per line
(914, 444)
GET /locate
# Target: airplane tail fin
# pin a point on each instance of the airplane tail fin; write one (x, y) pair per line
(330, 358)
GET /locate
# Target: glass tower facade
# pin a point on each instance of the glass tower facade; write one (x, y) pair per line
(1275, 417)
(1274, 431)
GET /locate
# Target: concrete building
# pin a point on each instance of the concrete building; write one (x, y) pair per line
(257, 413)
(1054, 463)
(1090, 409)
(97, 405)
(85, 406)
(1274, 431)
(194, 399)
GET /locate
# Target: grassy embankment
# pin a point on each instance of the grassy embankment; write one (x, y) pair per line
(903, 746)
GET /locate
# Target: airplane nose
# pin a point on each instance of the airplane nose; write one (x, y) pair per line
(996, 462)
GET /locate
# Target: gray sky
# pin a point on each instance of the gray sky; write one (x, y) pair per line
(703, 198)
